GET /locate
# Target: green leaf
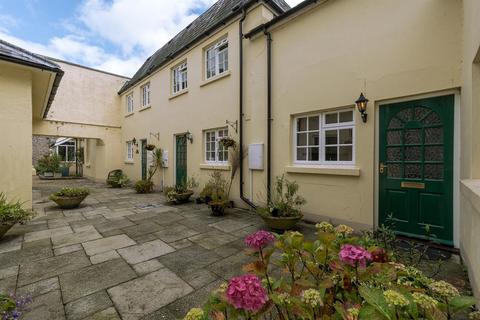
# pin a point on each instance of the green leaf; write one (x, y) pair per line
(460, 303)
(368, 312)
(375, 298)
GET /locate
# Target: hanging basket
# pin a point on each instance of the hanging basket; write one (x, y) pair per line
(150, 147)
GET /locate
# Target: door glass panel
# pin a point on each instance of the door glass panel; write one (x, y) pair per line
(405, 115)
(302, 154)
(432, 118)
(346, 136)
(301, 139)
(413, 153)
(413, 171)
(413, 136)
(394, 137)
(395, 124)
(394, 154)
(346, 153)
(433, 135)
(420, 113)
(313, 154)
(331, 153)
(394, 170)
(331, 137)
(313, 138)
(434, 153)
(434, 171)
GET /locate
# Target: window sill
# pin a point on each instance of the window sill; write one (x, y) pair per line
(326, 170)
(178, 94)
(214, 79)
(129, 114)
(211, 166)
(129, 162)
(145, 108)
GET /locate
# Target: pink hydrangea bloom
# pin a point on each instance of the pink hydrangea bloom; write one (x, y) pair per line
(246, 292)
(354, 255)
(259, 239)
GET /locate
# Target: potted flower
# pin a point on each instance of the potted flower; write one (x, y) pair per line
(12, 213)
(228, 142)
(69, 198)
(283, 212)
(117, 179)
(215, 194)
(181, 193)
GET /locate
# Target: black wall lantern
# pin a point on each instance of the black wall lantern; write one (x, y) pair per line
(362, 106)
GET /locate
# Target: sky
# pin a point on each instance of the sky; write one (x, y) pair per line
(111, 35)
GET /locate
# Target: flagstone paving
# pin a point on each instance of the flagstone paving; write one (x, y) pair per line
(122, 255)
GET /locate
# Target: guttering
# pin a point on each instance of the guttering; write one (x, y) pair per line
(264, 27)
(240, 107)
(269, 114)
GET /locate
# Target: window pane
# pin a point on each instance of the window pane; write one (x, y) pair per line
(313, 123)
(331, 118)
(302, 154)
(313, 154)
(62, 152)
(331, 137)
(331, 154)
(346, 153)
(301, 139)
(346, 136)
(313, 138)
(71, 153)
(302, 124)
(346, 116)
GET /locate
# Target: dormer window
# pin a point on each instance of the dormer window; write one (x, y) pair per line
(216, 59)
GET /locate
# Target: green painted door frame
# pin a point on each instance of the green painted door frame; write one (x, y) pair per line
(143, 144)
(180, 159)
(416, 167)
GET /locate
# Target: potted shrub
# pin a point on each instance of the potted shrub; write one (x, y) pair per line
(69, 198)
(215, 194)
(283, 212)
(48, 165)
(146, 185)
(12, 213)
(117, 179)
(181, 193)
(65, 169)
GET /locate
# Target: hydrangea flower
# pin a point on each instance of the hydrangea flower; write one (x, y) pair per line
(312, 297)
(246, 292)
(444, 289)
(394, 298)
(324, 226)
(475, 315)
(423, 300)
(259, 239)
(285, 299)
(343, 229)
(354, 255)
(195, 314)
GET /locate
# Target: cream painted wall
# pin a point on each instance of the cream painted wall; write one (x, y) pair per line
(470, 146)
(323, 59)
(16, 132)
(87, 106)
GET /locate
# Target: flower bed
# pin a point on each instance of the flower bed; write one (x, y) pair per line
(338, 276)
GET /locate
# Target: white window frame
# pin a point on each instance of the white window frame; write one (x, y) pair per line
(145, 89)
(217, 51)
(68, 146)
(180, 78)
(323, 127)
(129, 153)
(218, 147)
(129, 103)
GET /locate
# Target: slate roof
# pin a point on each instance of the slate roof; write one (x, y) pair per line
(16, 54)
(217, 14)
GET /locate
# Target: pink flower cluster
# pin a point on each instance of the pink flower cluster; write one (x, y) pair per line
(259, 239)
(354, 255)
(246, 292)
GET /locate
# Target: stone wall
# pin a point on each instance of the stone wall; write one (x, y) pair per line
(40, 147)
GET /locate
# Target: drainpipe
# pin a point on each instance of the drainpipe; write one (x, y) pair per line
(240, 46)
(269, 113)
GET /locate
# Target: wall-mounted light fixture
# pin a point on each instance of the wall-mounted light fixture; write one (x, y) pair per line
(189, 136)
(362, 106)
(134, 141)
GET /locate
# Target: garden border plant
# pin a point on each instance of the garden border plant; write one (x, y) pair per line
(146, 185)
(11, 213)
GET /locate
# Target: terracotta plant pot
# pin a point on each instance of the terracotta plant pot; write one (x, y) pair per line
(68, 202)
(218, 208)
(4, 229)
(281, 223)
(183, 197)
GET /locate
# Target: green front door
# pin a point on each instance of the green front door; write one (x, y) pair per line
(144, 159)
(181, 160)
(416, 167)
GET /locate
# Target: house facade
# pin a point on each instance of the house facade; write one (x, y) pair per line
(283, 83)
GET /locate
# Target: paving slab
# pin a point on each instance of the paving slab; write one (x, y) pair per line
(87, 306)
(139, 297)
(212, 239)
(230, 225)
(107, 244)
(37, 235)
(149, 266)
(94, 278)
(67, 249)
(145, 251)
(40, 287)
(86, 233)
(8, 272)
(180, 244)
(114, 224)
(50, 267)
(104, 256)
(230, 266)
(175, 232)
(46, 307)
(142, 229)
(11, 243)
(107, 314)
(8, 284)
(27, 255)
(189, 259)
(200, 278)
